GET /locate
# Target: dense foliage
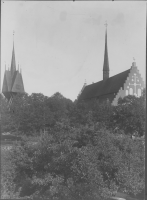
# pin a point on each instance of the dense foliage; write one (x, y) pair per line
(86, 153)
(58, 168)
(30, 114)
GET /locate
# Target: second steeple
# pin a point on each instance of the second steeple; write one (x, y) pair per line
(106, 60)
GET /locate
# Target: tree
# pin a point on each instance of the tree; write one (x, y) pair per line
(129, 115)
(31, 113)
(59, 105)
(5, 117)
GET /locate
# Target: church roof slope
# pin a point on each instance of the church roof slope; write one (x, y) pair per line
(18, 83)
(13, 78)
(105, 88)
(8, 79)
(5, 85)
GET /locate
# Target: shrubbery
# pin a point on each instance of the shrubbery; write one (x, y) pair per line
(56, 169)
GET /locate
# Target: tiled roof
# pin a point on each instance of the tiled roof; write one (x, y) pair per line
(105, 89)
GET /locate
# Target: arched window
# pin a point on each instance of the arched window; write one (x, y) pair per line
(127, 92)
(139, 92)
(131, 91)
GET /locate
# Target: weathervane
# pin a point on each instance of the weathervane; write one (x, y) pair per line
(133, 59)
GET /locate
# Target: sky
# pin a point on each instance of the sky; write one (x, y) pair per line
(60, 44)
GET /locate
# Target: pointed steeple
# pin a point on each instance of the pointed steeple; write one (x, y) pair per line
(13, 63)
(106, 60)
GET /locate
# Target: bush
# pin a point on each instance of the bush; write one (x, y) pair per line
(56, 169)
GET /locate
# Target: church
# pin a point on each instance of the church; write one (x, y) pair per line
(13, 82)
(112, 88)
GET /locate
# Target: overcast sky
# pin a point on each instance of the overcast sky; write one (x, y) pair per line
(60, 44)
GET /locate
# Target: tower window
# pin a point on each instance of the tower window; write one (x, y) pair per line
(127, 92)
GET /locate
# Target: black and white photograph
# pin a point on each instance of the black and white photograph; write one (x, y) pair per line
(73, 100)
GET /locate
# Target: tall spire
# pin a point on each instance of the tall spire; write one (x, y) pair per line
(106, 60)
(13, 63)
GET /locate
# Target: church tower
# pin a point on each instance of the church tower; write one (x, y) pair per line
(106, 60)
(13, 82)
(128, 82)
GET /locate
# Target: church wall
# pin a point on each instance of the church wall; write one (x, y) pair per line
(132, 86)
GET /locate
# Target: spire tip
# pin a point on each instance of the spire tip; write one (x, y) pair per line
(106, 24)
(13, 38)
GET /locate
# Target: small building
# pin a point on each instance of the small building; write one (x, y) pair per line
(13, 82)
(112, 88)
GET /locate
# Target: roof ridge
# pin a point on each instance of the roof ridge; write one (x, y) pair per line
(120, 73)
(109, 77)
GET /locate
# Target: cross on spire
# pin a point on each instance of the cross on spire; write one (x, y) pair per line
(13, 35)
(106, 24)
(134, 62)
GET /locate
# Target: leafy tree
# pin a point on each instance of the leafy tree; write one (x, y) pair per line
(5, 117)
(31, 113)
(129, 115)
